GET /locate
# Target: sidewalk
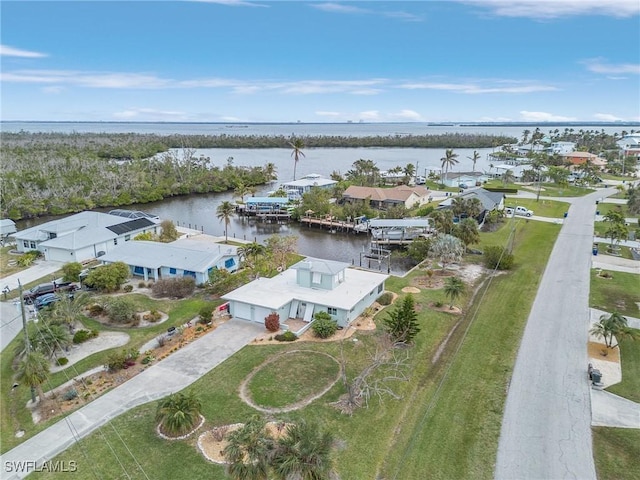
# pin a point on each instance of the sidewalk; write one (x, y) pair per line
(170, 375)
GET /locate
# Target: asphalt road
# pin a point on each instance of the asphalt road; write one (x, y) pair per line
(546, 428)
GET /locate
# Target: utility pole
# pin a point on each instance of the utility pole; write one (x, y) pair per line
(27, 344)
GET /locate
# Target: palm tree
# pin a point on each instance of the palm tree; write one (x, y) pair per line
(179, 414)
(467, 231)
(224, 212)
(508, 177)
(610, 327)
(297, 144)
(616, 227)
(443, 220)
(453, 288)
(447, 248)
(251, 250)
(69, 309)
(449, 160)
(304, 453)
(34, 371)
(249, 451)
(474, 159)
(269, 171)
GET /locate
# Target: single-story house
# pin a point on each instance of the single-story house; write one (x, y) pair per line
(516, 170)
(464, 179)
(182, 258)
(310, 286)
(82, 236)
(383, 198)
(7, 229)
(562, 147)
(578, 158)
(630, 145)
(489, 200)
(297, 188)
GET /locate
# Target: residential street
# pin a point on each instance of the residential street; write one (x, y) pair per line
(546, 428)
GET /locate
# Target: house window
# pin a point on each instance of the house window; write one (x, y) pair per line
(52, 235)
(138, 270)
(380, 288)
(229, 262)
(189, 273)
(332, 311)
(33, 245)
(115, 241)
(127, 238)
(316, 278)
(172, 271)
(25, 244)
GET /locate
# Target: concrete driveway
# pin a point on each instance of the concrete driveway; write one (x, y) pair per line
(546, 428)
(172, 374)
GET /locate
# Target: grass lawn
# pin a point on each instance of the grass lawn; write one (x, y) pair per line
(542, 207)
(617, 453)
(13, 413)
(450, 433)
(619, 293)
(605, 208)
(7, 262)
(630, 385)
(553, 190)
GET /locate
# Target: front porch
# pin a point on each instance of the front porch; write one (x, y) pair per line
(296, 325)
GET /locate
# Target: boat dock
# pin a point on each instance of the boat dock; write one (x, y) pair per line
(333, 224)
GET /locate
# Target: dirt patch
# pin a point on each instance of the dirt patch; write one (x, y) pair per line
(213, 442)
(598, 351)
(433, 283)
(446, 309)
(411, 290)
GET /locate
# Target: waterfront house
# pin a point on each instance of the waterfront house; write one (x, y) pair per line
(310, 286)
(297, 188)
(630, 145)
(488, 199)
(82, 236)
(193, 257)
(464, 179)
(383, 198)
(578, 158)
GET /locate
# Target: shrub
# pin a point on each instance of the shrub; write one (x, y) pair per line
(162, 340)
(121, 310)
(122, 359)
(82, 336)
(109, 277)
(206, 314)
(28, 258)
(497, 257)
(96, 310)
(287, 336)
(142, 284)
(272, 322)
(127, 288)
(71, 271)
(438, 304)
(70, 394)
(179, 287)
(385, 299)
(324, 326)
(62, 361)
(153, 316)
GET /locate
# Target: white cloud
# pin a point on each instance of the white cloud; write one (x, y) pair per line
(7, 51)
(546, 9)
(233, 3)
(408, 115)
(471, 89)
(350, 9)
(495, 119)
(598, 65)
(151, 114)
(370, 115)
(544, 117)
(85, 79)
(607, 117)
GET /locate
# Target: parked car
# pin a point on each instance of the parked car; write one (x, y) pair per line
(525, 212)
(44, 288)
(45, 300)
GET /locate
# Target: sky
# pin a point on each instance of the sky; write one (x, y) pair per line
(320, 61)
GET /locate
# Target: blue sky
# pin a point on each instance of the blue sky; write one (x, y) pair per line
(284, 61)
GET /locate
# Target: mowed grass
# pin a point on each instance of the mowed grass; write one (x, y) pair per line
(619, 293)
(553, 190)
(617, 453)
(451, 432)
(292, 377)
(630, 385)
(15, 416)
(542, 207)
(605, 208)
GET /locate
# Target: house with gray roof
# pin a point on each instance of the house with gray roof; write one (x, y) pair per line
(488, 199)
(7, 229)
(82, 236)
(297, 188)
(182, 258)
(310, 286)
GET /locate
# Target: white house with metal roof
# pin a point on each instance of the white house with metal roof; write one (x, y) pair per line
(182, 258)
(297, 188)
(310, 286)
(82, 236)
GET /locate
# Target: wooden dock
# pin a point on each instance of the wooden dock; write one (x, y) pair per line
(331, 223)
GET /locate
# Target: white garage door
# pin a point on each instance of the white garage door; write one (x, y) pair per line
(241, 310)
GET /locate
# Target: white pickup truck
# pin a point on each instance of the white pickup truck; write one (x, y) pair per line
(525, 212)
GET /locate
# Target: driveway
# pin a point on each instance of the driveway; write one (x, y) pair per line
(546, 428)
(172, 374)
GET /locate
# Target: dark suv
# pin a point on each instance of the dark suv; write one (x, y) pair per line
(30, 295)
